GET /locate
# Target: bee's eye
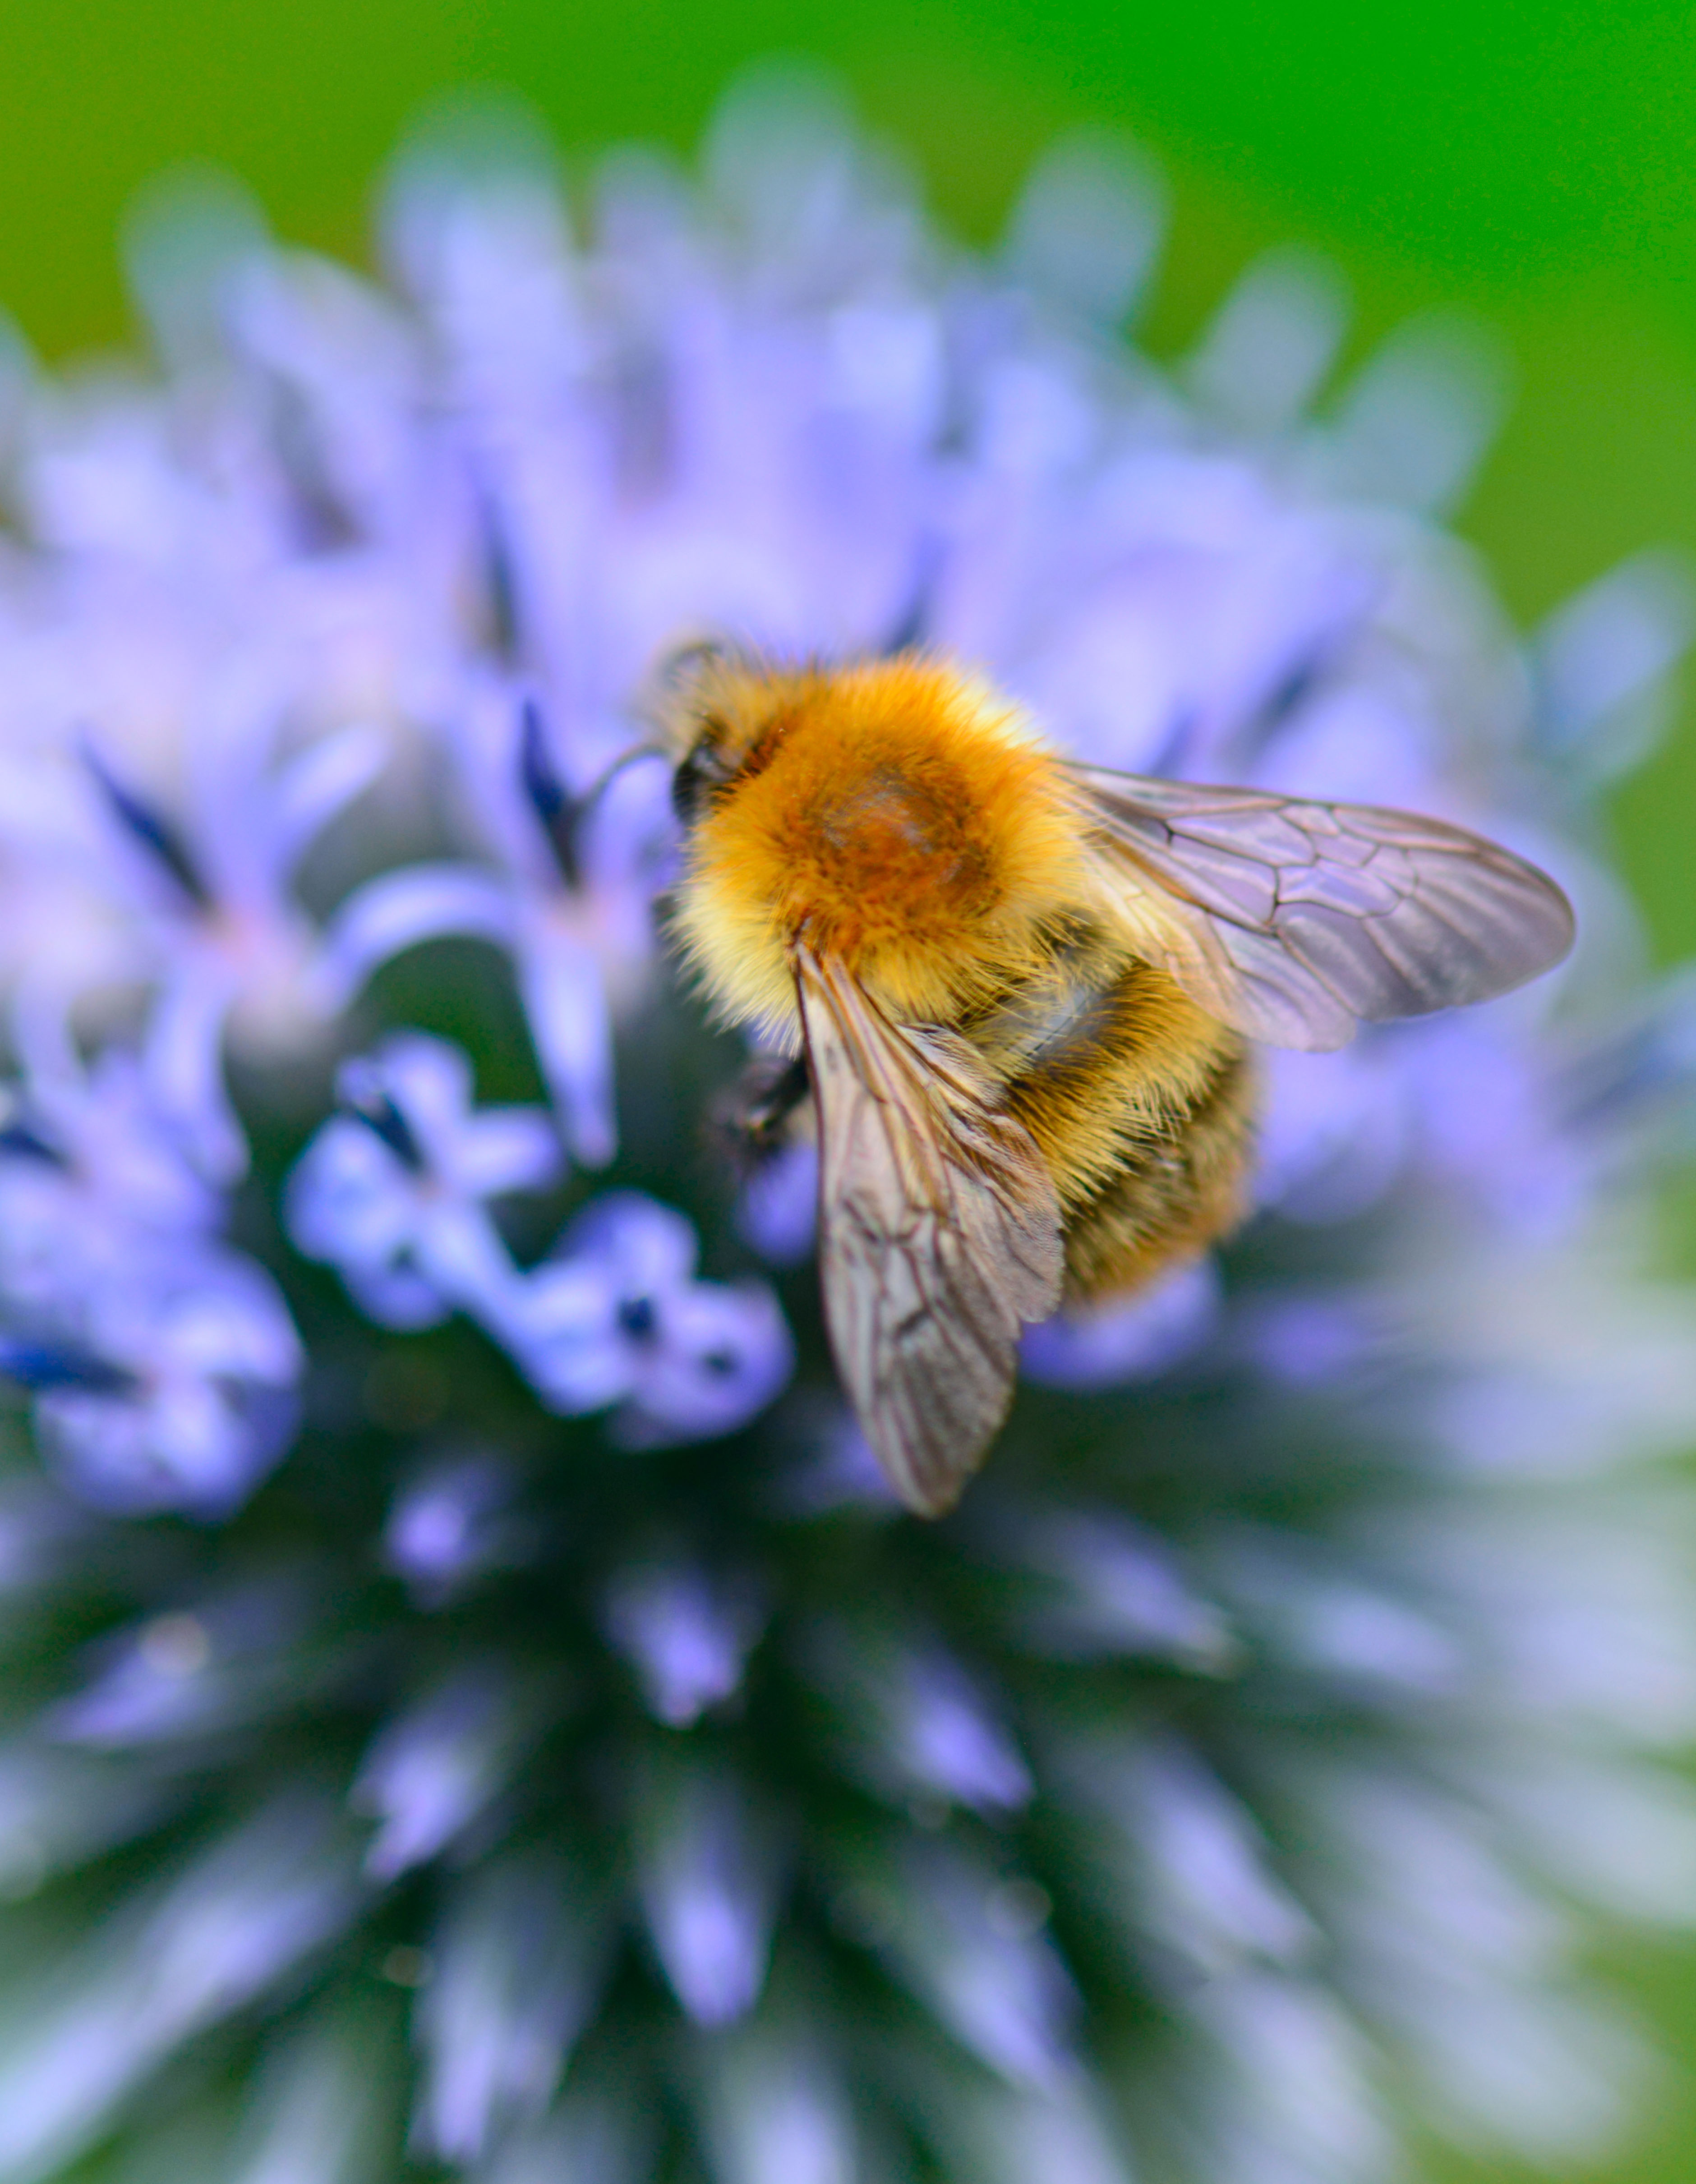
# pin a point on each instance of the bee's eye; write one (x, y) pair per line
(702, 770)
(687, 784)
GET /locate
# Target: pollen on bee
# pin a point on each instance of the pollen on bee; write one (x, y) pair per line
(896, 815)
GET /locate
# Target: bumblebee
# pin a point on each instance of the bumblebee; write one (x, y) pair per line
(1021, 993)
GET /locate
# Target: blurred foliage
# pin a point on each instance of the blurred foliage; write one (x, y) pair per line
(1528, 161)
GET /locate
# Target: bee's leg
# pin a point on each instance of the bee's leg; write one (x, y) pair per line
(752, 1121)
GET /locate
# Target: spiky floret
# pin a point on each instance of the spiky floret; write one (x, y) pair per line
(896, 814)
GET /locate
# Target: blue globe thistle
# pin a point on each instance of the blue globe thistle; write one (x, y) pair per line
(471, 1703)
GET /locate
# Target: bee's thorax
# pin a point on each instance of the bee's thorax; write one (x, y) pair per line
(894, 816)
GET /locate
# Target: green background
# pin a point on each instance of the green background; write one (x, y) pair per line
(1530, 161)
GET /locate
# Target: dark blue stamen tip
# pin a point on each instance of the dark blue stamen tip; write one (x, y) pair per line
(500, 588)
(553, 803)
(379, 1113)
(20, 1142)
(909, 633)
(721, 1363)
(1297, 687)
(43, 1363)
(151, 828)
(324, 521)
(638, 1319)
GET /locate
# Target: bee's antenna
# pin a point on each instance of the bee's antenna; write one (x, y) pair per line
(604, 780)
(686, 661)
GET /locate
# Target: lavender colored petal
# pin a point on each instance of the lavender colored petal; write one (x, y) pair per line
(315, 787)
(560, 1324)
(345, 1201)
(706, 1885)
(686, 1632)
(975, 1952)
(438, 1767)
(778, 1213)
(184, 1061)
(517, 1970)
(454, 1524)
(502, 1149)
(210, 1405)
(647, 1248)
(722, 1355)
(396, 912)
(1272, 341)
(565, 1002)
(459, 1253)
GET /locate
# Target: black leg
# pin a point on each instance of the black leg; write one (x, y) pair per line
(750, 1120)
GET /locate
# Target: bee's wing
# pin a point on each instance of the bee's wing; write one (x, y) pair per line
(940, 1230)
(1291, 921)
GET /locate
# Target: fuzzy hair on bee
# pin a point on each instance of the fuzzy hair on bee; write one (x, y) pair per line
(1026, 992)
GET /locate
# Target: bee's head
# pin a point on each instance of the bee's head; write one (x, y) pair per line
(718, 708)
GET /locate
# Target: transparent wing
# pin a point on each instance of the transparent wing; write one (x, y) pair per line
(1291, 921)
(940, 1235)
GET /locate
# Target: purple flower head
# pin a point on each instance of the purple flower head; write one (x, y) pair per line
(163, 1365)
(1272, 1717)
(393, 1191)
(617, 1318)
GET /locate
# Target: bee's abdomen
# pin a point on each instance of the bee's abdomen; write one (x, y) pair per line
(1176, 1191)
(1142, 1106)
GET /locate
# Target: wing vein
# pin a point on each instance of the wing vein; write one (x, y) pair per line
(1292, 921)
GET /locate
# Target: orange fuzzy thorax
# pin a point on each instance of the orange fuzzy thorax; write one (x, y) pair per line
(896, 815)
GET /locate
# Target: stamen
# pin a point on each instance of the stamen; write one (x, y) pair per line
(379, 1114)
(553, 803)
(22, 1142)
(150, 828)
(324, 522)
(37, 1363)
(500, 587)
